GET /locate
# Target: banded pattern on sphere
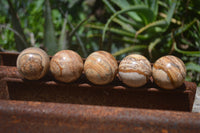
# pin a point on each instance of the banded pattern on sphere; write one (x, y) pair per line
(135, 70)
(66, 66)
(33, 63)
(100, 67)
(169, 72)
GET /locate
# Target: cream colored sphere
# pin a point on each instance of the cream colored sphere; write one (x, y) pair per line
(169, 72)
(33, 63)
(135, 70)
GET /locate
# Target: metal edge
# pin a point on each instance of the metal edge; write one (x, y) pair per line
(34, 117)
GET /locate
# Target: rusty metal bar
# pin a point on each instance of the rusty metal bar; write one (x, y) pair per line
(34, 117)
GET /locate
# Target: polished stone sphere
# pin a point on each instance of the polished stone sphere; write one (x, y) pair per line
(169, 72)
(135, 70)
(66, 66)
(33, 63)
(100, 67)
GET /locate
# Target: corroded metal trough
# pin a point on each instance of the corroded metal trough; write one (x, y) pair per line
(50, 106)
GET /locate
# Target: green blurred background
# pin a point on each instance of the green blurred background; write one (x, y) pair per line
(152, 28)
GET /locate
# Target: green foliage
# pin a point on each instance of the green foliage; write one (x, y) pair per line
(49, 32)
(43, 25)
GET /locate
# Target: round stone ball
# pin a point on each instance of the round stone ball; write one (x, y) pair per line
(169, 72)
(33, 63)
(100, 67)
(134, 70)
(66, 66)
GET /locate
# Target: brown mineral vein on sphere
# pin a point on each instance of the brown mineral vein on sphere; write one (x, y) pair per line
(66, 66)
(100, 67)
(169, 72)
(135, 70)
(33, 63)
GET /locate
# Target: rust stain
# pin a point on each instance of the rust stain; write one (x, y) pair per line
(138, 128)
(164, 131)
(14, 119)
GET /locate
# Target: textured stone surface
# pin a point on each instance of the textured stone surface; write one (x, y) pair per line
(100, 67)
(135, 70)
(196, 105)
(169, 72)
(66, 66)
(33, 63)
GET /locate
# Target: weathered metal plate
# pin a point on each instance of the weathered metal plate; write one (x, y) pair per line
(20, 116)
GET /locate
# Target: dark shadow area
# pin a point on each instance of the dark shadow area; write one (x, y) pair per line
(86, 94)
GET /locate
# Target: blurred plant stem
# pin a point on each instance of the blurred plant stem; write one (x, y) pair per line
(63, 42)
(49, 32)
(80, 42)
(20, 38)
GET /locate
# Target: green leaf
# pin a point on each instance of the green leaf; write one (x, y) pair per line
(80, 42)
(142, 9)
(160, 23)
(117, 31)
(138, 2)
(189, 53)
(187, 42)
(62, 43)
(184, 27)
(155, 24)
(116, 39)
(125, 20)
(192, 66)
(38, 5)
(153, 5)
(77, 27)
(129, 49)
(163, 4)
(124, 25)
(123, 4)
(171, 11)
(49, 36)
(152, 45)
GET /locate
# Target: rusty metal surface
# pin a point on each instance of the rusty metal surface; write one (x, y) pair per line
(8, 59)
(4, 94)
(83, 92)
(19, 116)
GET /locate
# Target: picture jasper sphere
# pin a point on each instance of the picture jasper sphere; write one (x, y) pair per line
(33, 63)
(169, 72)
(134, 70)
(66, 66)
(100, 67)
